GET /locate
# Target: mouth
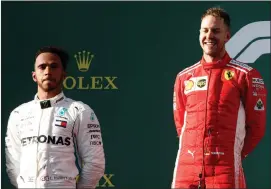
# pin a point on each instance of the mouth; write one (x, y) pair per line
(210, 43)
(48, 80)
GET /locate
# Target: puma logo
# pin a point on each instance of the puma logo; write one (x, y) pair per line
(192, 153)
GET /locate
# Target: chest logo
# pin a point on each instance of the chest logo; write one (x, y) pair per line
(195, 84)
(62, 111)
(201, 83)
(228, 74)
(189, 85)
(61, 123)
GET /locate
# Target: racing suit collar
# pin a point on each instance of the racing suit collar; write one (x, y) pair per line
(49, 102)
(216, 64)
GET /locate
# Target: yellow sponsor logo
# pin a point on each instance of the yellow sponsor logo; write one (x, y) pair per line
(228, 74)
(189, 84)
(84, 61)
(104, 182)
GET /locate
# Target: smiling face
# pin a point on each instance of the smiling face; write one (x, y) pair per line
(49, 73)
(213, 36)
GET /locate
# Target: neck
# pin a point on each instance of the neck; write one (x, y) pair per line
(43, 95)
(209, 58)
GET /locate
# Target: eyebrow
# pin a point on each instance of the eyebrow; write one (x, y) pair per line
(48, 63)
(211, 28)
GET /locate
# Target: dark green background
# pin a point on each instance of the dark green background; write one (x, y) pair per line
(144, 44)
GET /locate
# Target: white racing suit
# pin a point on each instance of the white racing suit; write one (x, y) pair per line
(50, 142)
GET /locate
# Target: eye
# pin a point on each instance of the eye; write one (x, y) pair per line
(203, 30)
(42, 66)
(216, 31)
(54, 65)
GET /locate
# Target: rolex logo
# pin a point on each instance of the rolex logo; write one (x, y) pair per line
(87, 82)
(83, 60)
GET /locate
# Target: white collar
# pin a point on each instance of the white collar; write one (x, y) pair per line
(51, 101)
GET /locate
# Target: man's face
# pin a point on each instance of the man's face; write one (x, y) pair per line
(49, 73)
(213, 35)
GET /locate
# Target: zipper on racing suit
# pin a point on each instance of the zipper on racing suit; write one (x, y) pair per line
(37, 161)
(205, 149)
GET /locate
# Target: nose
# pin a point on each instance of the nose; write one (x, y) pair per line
(210, 34)
(47, 70)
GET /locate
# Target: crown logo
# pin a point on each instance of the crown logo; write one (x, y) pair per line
(83, 60)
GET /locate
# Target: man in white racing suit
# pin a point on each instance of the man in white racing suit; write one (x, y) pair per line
(53, 139)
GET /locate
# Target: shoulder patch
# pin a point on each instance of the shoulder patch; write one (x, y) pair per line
(242, 65)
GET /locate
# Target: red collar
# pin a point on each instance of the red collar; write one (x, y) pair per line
(216, 64)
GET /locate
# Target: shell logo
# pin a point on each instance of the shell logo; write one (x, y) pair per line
(189, 85)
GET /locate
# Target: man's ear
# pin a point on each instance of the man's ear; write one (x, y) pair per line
(228, 36)
(34, 76)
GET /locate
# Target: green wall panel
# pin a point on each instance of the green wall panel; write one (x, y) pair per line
(143, 45)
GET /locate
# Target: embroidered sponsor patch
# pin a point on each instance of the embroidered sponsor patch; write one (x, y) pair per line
(257, 93)
(61, 123)
(62, 111)
(257, 81)
(188, 85)
(258, 87)
(201, 83)
(259, 105)
(243, 65)
(196, 84)
(228, 74)
(92, 116)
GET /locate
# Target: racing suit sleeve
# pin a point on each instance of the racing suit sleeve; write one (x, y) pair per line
(90, 148)
(255, 107)
(178, 106)
(12, 148)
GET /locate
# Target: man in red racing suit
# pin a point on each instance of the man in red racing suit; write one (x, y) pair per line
(220, 116)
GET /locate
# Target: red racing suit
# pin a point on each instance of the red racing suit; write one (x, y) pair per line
(220, 117)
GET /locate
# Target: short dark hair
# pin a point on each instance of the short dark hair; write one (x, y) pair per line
(63, 55)
(218, 12)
